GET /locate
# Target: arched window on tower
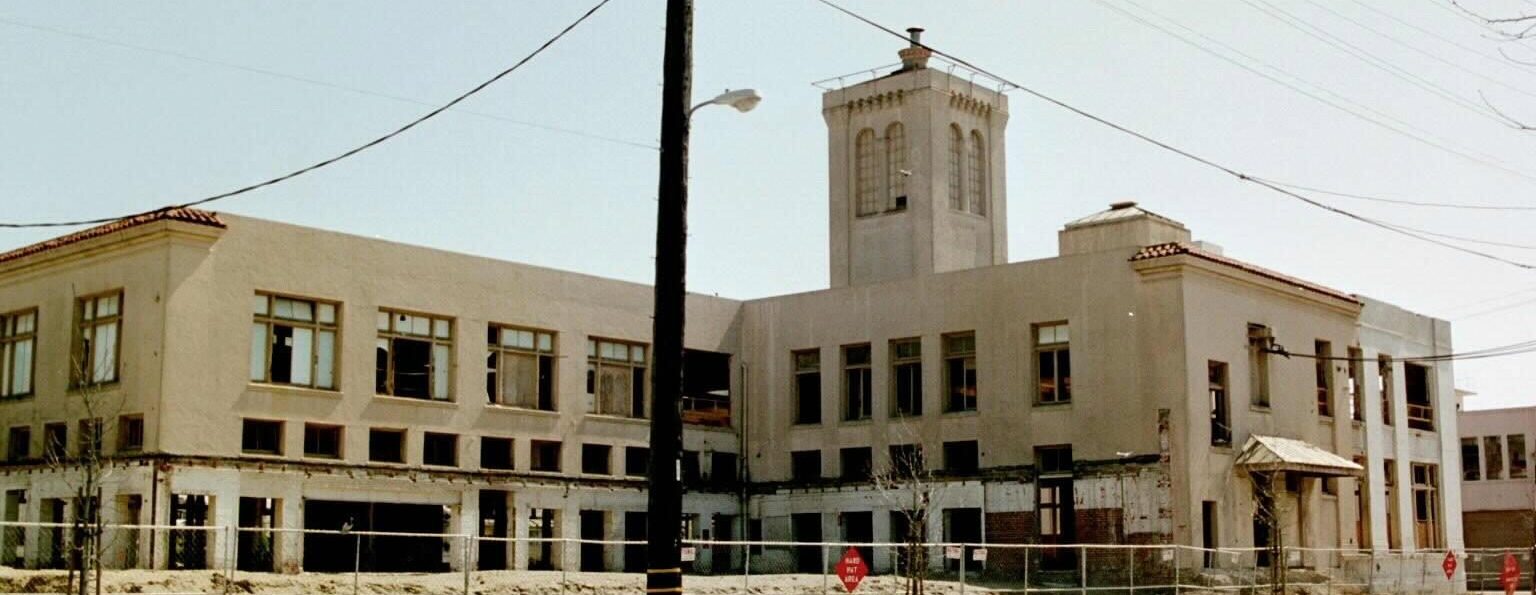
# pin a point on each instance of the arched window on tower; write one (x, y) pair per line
(867, 179)
(976, 182)
(956, 162)
(895, 165)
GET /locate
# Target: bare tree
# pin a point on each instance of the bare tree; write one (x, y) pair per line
(1511, 28)
(909, 486)
(1268, 512)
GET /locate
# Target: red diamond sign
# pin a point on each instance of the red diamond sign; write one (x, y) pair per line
(851, 570)
(1510, 576)
(1449, 564)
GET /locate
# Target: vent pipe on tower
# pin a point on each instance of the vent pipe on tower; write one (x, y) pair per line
(915, 56)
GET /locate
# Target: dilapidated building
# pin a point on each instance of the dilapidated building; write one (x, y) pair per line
(1137, 387)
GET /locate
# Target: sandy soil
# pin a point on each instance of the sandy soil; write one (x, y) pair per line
(481, 582)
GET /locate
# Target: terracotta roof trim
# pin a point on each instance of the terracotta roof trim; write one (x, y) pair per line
(1156, 251)
(183, 214)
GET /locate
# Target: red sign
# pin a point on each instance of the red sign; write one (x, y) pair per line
(1449, 564)
(1511, 574)
(851, 570)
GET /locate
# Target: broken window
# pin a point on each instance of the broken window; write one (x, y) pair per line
(1384, 386)
(1426, 505)
(706, 388)
(130, 433)
(1471, 463)
(907, 377)
(1323, 365)
(19, 444)
(896, 167)
(960, 371)
(805, 465)
(55, 442)
(1221, 404)
(1518, 464)
(90, 437)
(98, 326)
(807, 386)
(857, 462)
(544, 455)
(616, 382)
(962, 457)
(322, 441)
(496, 453)
(597, 459)
(543, 530)
(261, 436)
(1421, 404)
(293, 341)
(723, 468)
(520, 367)
(18, 341)
(386, 445)
(637, 460)
(976, 182)
(1053, 364)
(858, 392)
(1356, 384)
(906, 460)
(688, 464)
(440, 449)
(1493, 456)
(867, 174)
(956, 163)
(1259, 342)
(1054, 460)
(414, 355)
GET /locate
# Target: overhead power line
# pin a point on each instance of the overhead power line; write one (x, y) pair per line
(320, 83)
(1396, 201)
(355, 150)
(1178, 151)
(1323, 95)
(1520, 348)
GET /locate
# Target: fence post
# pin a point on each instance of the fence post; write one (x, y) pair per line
(1026, 568)
(746, 567)
(1130, 558)
(824, 568)
(357, 560)
(1176, 579)
(468, 542)
(1082, 569)
(564, 561)
(962, 569)
(231, 554)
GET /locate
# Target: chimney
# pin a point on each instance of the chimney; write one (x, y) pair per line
(915, 56)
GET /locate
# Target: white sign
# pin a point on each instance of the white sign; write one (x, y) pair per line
(952, 552)
(1167, 555)
(690, 553)
(979, 554)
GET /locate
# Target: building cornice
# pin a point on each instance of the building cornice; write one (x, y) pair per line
(188, 225)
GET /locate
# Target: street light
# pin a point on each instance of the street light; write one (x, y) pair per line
(741, 99)
(664, 498)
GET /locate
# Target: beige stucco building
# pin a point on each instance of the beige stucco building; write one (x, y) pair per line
(1497, 482)
(269, 375)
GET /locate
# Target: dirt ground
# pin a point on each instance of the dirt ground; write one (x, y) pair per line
(481, 582)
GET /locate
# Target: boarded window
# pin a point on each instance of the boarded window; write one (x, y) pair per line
(616, 381)
(520, 367)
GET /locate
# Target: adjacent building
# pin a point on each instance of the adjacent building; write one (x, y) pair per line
(1138, 386)
(1499, 487)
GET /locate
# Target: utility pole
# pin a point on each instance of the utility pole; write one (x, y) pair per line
(665, 497)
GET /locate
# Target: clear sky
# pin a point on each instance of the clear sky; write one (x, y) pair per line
(113, 107)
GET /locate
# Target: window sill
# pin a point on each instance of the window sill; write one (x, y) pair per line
(546, 472)
(262, 455)
(639, 421)
(863, 421)
(805, 424)
(387, 463)
(100, 388)
(516, 409)
(17, 398)
(415, 401)
(1225, 449)
(1260, 409)
(1053, 404)
(963, 413)
(292, 389)
(310, 457)
(1325, 420)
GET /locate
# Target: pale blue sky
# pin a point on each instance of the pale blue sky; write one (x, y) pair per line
(94, 124)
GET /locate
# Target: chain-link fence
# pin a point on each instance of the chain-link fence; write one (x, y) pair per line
(55, 558)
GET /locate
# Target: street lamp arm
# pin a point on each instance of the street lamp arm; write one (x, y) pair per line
(741, 99)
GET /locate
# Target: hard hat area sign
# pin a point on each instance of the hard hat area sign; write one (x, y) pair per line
(1510, 576)
(1449, 564)
(851, 570)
